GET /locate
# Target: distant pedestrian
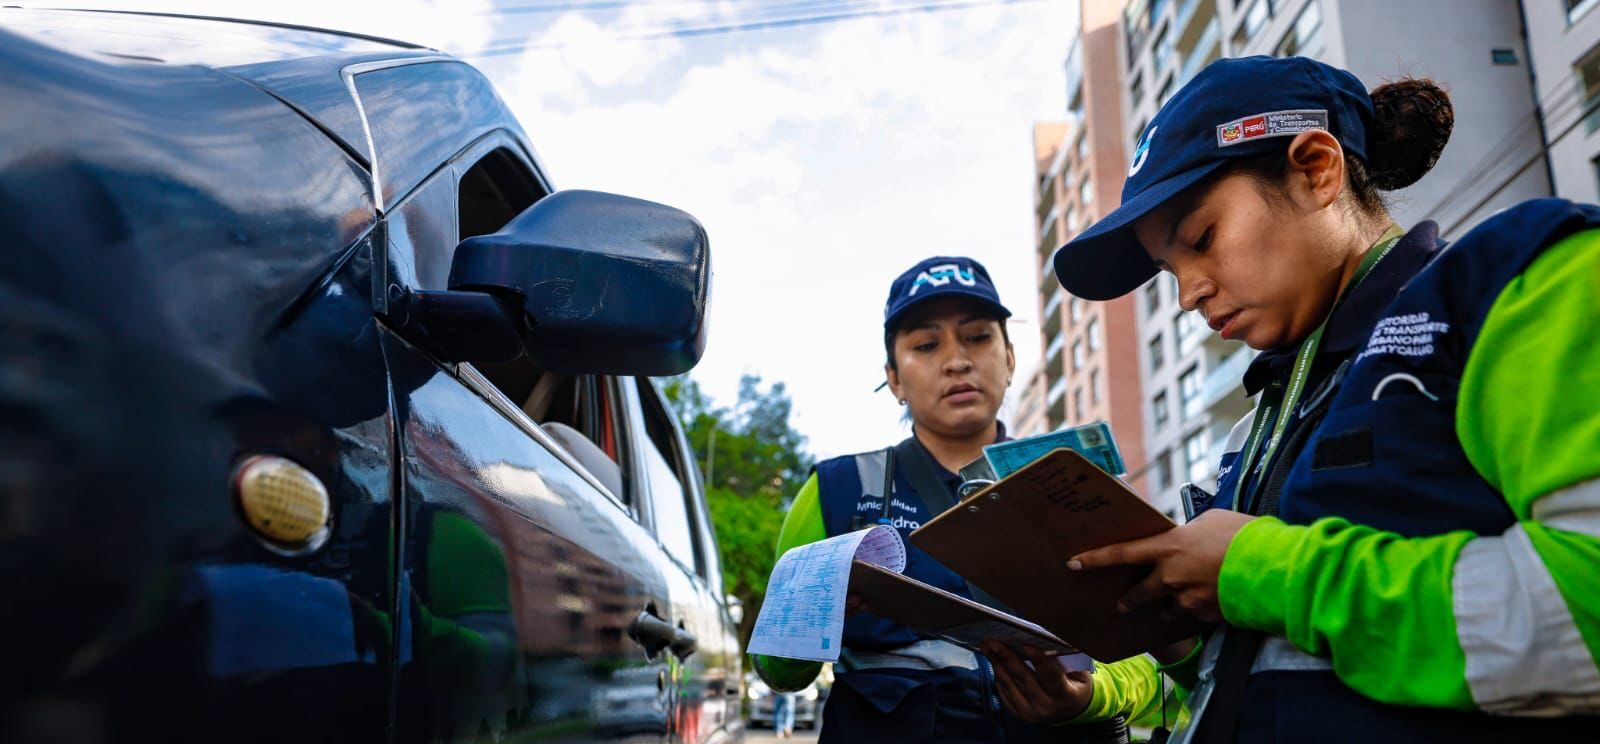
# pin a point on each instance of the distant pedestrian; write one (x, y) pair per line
(783, 714)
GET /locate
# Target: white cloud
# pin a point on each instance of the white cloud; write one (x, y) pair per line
(822, 163)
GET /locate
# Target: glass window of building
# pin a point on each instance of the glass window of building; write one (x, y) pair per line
(1138, 132)
(1095, 339)
(1083, 147)
(1195, 448)
(1577, 8)
(1158, 351)
(1136, 89)
(1159, 413)
(1189, 385)
(1152, 296)
(1161, 476)
(1167, 89)
(1305, 38)
(1086, 191)
(1588, 73)
(1188, 330)
(1077, 404)
(1094, 386)
(1075, 309)
(1078, 356)
(1163, 48)
(1254, 19)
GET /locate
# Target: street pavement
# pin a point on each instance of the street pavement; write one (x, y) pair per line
(764, 736)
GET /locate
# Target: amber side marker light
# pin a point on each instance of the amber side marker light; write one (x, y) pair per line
(284, 504)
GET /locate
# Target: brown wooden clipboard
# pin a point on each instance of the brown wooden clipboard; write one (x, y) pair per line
(1013, 539)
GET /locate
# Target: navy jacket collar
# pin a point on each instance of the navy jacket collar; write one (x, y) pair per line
(944, 473)
(1353, 320)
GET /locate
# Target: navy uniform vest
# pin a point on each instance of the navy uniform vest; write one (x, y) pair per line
(1386, 455)
(892, 683)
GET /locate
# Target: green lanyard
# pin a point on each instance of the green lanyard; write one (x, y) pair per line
(1285, 401)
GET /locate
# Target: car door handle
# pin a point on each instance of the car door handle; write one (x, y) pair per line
(683, 643)
(650, 631)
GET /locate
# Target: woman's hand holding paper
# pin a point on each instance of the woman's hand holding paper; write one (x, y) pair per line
(1046, 693)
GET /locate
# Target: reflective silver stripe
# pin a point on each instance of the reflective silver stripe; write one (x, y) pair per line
(1525, 655)
(926, 655)
(1572, 509)
(1239, 433)
(1277, 654)
(1200, 697)
(869, 465)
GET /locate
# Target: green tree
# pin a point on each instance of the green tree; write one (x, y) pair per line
(752, 462)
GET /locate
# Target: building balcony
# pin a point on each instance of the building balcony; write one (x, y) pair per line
(1226, 376)
(1047, 276)
(1056, 391)
(1052, 316)
(1074, 70)
(1205, 51)
(1056, 344)
(1186, 27)
(1053, 304)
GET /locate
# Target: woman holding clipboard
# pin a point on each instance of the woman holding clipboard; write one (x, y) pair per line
(1405, 543)
(949, 361)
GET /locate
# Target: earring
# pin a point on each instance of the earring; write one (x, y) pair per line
(902, 401)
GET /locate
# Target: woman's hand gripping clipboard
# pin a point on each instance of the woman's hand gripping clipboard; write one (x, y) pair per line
(1013, 539)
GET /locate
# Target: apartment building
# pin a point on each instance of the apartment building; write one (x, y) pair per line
(1091, 359)
(1191, 377)
(1564, 49)
(1025, 405)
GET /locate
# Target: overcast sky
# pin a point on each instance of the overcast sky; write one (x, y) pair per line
(822, 159)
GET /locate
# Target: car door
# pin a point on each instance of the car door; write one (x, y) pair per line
(523, 573)
(705, 682)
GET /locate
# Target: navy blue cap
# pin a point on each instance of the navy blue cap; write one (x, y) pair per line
(940, 276)
(1234, 108)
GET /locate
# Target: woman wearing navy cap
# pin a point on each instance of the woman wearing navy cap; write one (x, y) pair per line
(948, 361)
(1408, 547)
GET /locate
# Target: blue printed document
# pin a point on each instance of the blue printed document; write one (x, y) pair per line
(1093, 441)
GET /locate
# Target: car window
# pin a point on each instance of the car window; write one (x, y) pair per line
(671, 484)
(699, 503)
(493, 192)
(579, 412)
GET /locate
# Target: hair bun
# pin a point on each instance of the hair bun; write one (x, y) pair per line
(1411, 123)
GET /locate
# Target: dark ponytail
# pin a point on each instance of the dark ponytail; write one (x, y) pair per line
(1412, 120)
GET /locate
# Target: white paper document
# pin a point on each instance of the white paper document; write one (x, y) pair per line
(803, 614)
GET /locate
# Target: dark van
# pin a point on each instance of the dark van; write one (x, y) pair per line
(324, 417)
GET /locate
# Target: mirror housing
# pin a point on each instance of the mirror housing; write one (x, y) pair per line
(607, 284)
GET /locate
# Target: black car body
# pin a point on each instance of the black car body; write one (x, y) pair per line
(225, 241)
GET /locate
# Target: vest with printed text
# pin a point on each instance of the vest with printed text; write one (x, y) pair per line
(1385, 455)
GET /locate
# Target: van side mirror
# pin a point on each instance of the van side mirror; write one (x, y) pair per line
(604, 284)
